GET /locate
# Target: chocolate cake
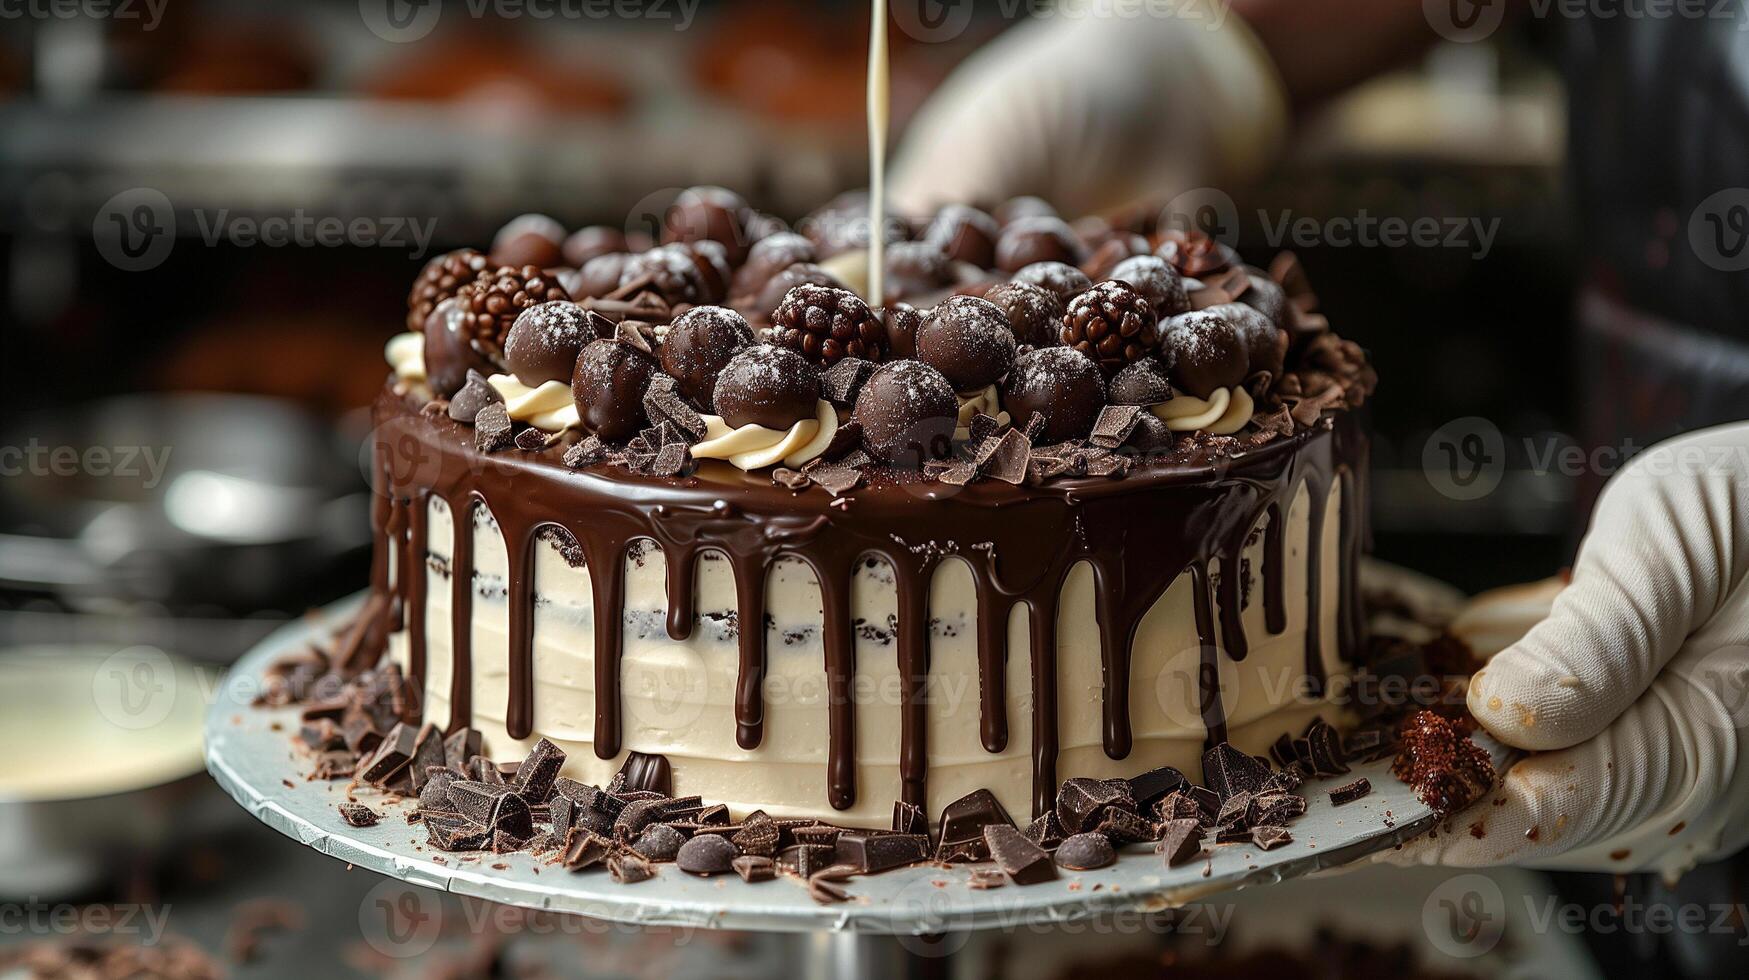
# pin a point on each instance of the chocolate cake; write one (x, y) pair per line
(821, 553)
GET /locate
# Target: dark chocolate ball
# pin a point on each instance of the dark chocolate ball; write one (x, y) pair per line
(608, 387)
(699, 343)
(1145, 382)
(1036, 239)
(1061, 278)
(671, 270)
(1060, 383)
(964, 234)
(545, 340)
(907, 412)
(1203, 351)
(600, 275)
(778, 286)
(450, 350)
(708, 214)
(1267, 297)
(1034, 312)
(591, 242)
(1265, 343)
(969, 340)
(532, 239)
(901, 321)
(767, 258)
(765, 385)
(1025, 206)
(916, 269)
(712, 259)
(1157, 280)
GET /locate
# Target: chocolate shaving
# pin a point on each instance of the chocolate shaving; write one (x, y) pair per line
(663, 403)
(533, 440)
(492, 429)
(790, 479)
(840, 383)
(1114, 425)
(359, 815)
(1011, 458)
(834, 479)
(1349, 792)
(474, 395)
(587, 452)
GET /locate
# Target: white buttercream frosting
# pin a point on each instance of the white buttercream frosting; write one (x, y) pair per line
(981, 402)
(1224, 412)
(549, 408)
(752, 447)
(405, 353)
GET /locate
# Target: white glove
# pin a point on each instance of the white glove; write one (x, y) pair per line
(1094, 105)
(1633, 693)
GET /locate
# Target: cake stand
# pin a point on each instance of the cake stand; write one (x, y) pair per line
(249, 751)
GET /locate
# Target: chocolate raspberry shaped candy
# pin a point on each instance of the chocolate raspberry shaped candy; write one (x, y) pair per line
(1036, 239)
(496, 299)
(964, 234)
(901, 321)
(969, 341)
(768, 257)
(1063, 385)
(712, 214)
(532, 239)
(592, 242)
(671, 270)
(450, 349)
(768, 386)
(778, 286)
(1059, 277)
(1158, 281)
(608, 387)
(700, 342)
(1204, 351)
(1034, 312)
(545, 340)
(824, 324)
(907, 412)
(1113, 324)
(442, 277)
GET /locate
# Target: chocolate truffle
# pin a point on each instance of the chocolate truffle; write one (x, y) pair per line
(767, 258)
(708, 213)
(1034, 312)
(532, 239)
(778, 286)
(1036, 239)
(1060, 383)
(545, 340)
(969, 341)
(712, 259)
(608, 387)
(916, 269)
(1145, 382)
(1265, 343)
(1059, 277)
(450, 350)
(698, 345)
(600, 275)
(769, 386)
(901, 321)
(1021, 207)
(1157, 281)
(672, 271)
(1267, 297)
(592, 242)
(964, 234)
(907, 412)
(1204, 352)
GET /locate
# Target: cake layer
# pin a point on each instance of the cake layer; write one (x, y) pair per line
(920, 643)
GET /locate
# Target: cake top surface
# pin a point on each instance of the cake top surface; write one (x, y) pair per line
(1028, 353)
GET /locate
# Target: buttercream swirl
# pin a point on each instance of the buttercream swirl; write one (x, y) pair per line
(753, 447)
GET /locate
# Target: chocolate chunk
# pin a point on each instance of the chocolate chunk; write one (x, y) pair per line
(359, 815)
(492, 429)
(757, 837)
(708, 854)
(1151, 786)
(1084, 852)
(825, 891)
(1114, 425)
(963, 822)
(587, 452)
(752, 867)
(806, 859)
(663, 403)
(534, 778)
(1180, 841)
(493, 806)
(459, 747)
(1236, 833)
(476, 394)
(504, 842)
(873, 852)
(1045, 831)
(1282, 751)
(637, 815)
(335, 765)
(714, 815)
(1349, 792)
(984, 879)
(1275, 809)
(1080, 802)
(456, 833)
(1234, 810)
(1010, 458)
(628, 868)
(394, 755)
(836, 480)
(428, 754)
(1227, 770)
(659, 842)
(533, 440)
(1179, 805)
(1271, 837)
(819, 833)
(647, 771)
(1326, 748)
(434, 797)
(585, 849)
(1124, 827)
(1207, 799)
(841, 382)
(322, 734)
(1024, 861)
(908, 818)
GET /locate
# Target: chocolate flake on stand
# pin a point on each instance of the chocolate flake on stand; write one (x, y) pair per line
(358, 815)
(790, 479)
(1271, 837)
(1349, 792)
(752, 868)
(1021, 859)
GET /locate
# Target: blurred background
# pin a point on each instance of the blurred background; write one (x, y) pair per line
(253, 356)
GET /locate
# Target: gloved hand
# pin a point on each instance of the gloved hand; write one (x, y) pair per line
(1633, 693)
(1095, 105)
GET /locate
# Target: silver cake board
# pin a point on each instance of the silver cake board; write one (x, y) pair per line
(250, 752)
